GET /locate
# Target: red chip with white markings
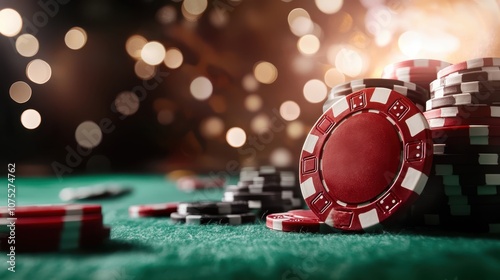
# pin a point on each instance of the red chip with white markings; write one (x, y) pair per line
(296, 221)
(46, 210)
(153, 210)
(367, 157)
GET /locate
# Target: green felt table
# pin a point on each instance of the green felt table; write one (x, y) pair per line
(153, 248)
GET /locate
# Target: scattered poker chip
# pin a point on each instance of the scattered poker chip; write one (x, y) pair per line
(230, 219)
(213, 208)
(471, 111)
(193, 183)
(343, 178)
(469, 64)
(471, 98)
(457, 121)
(452, 169)
(472, 190)
(94, 192)
(475, 86)
(296, 221)
(474, 200)
(153, 210)
(290, 203)
(461, 159)
(493, 75)
(50, 210)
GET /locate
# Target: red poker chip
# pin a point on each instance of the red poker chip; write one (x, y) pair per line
(456, 79)
(469, 64)
(296, 221)
(343, 177)
(153, 210)
(50, 210)
(464, 112)
(458, 121)
(416, 97)
(62, 222)
(471, 98)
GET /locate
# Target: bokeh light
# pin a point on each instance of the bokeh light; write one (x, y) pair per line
(236, 137)
(195, 7)
(173, 58)
(289, 110)
(166, 14)
(281, 157)
(249, 83)
(334, 77)
(253, 102)
(88, 134)
(127, 103)
(31, 119)
(260, 123)
(349, 62)
(212, 127)
(329, 6)
(295, 129)
(134, 45)
(265, 72)
(308, 44)
(75, 38)
(144, 70)
(165, 117)
(10, 22)
(410, 43)
(315, 91)
(20, 92)
(38, 71)
(201, 88)
(153, 53)
(27, 45)
(300, 22)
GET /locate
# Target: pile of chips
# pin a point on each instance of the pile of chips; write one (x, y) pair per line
(199, 213)
(466, 132)
(45, 228)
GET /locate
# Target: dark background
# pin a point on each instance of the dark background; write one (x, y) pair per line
(85, 82)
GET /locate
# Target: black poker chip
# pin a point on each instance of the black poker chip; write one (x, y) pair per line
(229, 219)
(213, 207)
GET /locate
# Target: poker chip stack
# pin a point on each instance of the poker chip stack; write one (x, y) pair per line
(465, 127)
(43, 228)
(266, 190)
(419, 71)
(414, 92)
(213, 212)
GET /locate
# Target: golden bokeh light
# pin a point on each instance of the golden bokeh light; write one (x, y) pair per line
(134, 45)
(308, 44)
(260, 123)
(10, 22)
(295, 130)
(153, 53)
(295, 14)
(410, 43)
(20, 92)
(315, 91)
(249, 83)
(144, 70)
(265, 72)
(289, 110)
(334, 77)
(281, 158)
(88, 134)
(166, 14)
(212, 127)
(195, 7)
(127, 103)
(31, 119)
(329, 6)
(173, 58)
(75, 38)
(27, 45)
(38, 71)
(348, 61)
(201, 88)
(253, 102)
(236, 137)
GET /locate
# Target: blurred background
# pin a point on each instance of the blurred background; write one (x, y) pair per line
(204, 85)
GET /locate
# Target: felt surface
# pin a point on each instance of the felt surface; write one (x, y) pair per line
(153, 248)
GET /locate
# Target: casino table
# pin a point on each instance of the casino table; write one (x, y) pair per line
(154, 248)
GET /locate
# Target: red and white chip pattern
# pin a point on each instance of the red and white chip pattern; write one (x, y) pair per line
(153, 210)
(385, 107)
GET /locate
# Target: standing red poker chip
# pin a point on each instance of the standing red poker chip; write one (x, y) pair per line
(365, 140)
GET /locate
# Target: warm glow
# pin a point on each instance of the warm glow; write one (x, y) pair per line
(127, 103)
(212, 127)
(166, 14)
(329, 6)
(10, 22)
(410, 43)
(144, 70)
(134, 46)
(195, 7)
(236, 137)
(75, 38)
(173, 58)
(38, 71)
(349, 62)
(265, 72)
(334, 77)
(315, 91)
(295, 129)
(153, 53)
(31, 119)
(249, 83)
(260, 123)
(253, 102)
(201, 88)
(289, 110)
(88, 134)
(27, 45)
(308, 44)
(281, 157)
(20, 92)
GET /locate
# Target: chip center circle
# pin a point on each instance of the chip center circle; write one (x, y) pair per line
(361, 158)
